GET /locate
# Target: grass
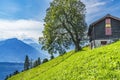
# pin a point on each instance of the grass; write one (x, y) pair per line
(98, 64)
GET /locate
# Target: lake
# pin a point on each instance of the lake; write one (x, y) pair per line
(8, 68)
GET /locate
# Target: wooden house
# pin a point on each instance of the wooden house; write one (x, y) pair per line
(104, 31)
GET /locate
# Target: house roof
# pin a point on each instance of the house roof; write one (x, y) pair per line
(99, 20)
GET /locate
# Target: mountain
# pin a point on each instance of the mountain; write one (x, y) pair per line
(98, 64)
(33, 43)
(14, 50)
(36, 45)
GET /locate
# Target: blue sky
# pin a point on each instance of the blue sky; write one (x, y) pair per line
(99, 8)
(24, 18)
(23, 9)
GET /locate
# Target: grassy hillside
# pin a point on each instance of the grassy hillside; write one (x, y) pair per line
(99, 64)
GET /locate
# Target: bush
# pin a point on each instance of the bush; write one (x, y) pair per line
(45, 60)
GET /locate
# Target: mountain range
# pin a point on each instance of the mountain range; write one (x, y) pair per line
(14, 50)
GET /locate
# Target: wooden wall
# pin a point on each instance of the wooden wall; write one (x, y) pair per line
(99, 30)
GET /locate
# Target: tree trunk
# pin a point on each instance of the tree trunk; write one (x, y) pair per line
(77, 47)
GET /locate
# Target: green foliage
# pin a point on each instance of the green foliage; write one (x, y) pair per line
(45, 60)
(10, 75)
(6, 77)
(37, 62)
(52, 57)
(31, 63)
(16, 72)
(64, 25)
(26, 63)
(98, 64)
(34, 72)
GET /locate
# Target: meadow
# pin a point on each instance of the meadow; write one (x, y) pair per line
(98, 64)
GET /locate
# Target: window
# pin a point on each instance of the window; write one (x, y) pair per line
(103, 42)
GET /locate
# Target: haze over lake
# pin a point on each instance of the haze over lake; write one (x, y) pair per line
(8, 68)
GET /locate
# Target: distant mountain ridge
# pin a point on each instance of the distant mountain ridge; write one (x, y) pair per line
(14, 50)
(36, 45)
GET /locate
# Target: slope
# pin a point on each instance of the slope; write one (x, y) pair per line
(99, 64)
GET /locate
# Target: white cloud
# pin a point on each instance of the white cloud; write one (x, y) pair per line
(98, 4)
(93, 6)
(99, 8)
(21, 29)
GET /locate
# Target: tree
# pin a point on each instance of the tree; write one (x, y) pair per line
(31, 63)
(64, 25)
(16, 72)
(35, 63)
(6, 77)
(26, 63)
(39, 61)
(52, 56)
(45, 60)
(10, 75)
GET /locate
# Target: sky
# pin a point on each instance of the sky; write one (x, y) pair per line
(24, 18)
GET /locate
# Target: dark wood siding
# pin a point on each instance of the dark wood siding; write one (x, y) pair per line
(99, 30)
(115, 28)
